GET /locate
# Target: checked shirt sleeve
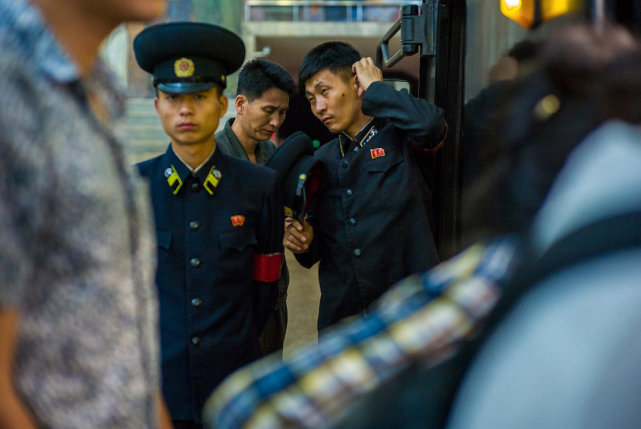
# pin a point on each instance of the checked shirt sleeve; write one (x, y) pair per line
(421, 319)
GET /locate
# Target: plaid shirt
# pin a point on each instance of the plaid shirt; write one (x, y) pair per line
(421, 319)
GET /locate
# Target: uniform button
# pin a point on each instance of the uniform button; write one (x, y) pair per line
(352, 221)
(195, 341)
(349, 192)
(356, 149)
(357, 252)
(345, 164)
(194, 225)
(194, 262)
(196, 302)
(195, 186)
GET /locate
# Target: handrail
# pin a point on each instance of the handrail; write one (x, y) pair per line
(351, 6)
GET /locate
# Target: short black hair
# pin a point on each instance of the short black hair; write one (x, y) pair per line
(260, 75)
(337, 57)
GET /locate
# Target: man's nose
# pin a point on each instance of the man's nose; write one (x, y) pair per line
(320, 105)
(186, 107)
(275, 119)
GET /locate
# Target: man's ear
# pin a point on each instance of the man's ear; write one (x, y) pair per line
(357, 86)
(156, 104)
(240, 103)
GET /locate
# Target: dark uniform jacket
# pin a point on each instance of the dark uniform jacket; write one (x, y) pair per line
(219, 260)
(371, 216)
(229, 144)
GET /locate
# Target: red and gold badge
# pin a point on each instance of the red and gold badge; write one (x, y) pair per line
(378, 152)
(238, 220)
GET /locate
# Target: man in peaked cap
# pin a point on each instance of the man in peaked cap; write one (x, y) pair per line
(218, 219)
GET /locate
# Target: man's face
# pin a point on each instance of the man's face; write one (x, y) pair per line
(334, 100)
(260, 119)
(192, 118)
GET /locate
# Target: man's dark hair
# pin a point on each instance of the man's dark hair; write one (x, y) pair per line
(260, 75)
(336, 57)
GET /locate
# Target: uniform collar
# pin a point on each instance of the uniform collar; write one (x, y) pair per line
(362, 137)
(173, 163)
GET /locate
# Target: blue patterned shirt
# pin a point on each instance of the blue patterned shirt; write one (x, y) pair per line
(76, 248)
(421, 319)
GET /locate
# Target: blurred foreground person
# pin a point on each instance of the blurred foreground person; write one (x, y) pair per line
(78, 310)
(262, 101)
(218, 219)
(401, 365)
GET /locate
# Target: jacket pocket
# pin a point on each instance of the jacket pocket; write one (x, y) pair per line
(384, 163)
(236, 240)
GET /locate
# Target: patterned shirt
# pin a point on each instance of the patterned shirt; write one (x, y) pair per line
(421, 319)
(76, 248)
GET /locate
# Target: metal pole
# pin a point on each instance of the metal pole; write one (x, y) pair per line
(599, 15)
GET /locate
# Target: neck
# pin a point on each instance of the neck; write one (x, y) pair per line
(194, 155)
(249, 144)
(67, 22)
(357, 126)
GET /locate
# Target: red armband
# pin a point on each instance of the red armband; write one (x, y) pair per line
(267, 267)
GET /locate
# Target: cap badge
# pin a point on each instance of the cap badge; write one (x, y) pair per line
(379, 151)
(238, 220)
(184, 67)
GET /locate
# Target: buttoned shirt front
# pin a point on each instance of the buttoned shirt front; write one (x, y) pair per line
(213, 225)
(229, 144)
(76, 244)
(371, 217)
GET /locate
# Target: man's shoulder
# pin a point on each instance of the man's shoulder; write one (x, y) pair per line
(248, 169)
(147, 167)
(327, 149)
(222, 141)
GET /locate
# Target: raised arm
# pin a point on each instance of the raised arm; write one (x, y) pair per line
(423, 121)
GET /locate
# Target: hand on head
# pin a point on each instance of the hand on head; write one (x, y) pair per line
(366, 72)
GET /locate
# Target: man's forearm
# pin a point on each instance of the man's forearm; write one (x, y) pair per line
(13, 413)
(164, 419)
